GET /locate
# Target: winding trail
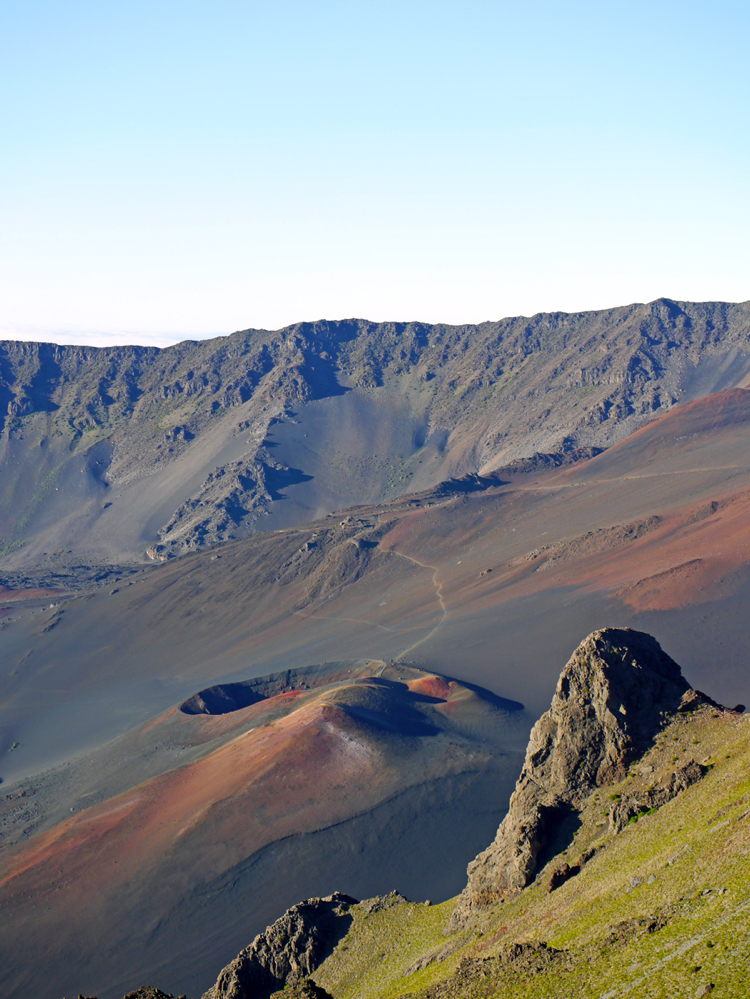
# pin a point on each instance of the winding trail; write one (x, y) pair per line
(606, 480)
(314, 613)
(438, 594)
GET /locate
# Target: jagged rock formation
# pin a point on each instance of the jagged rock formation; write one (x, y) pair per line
(616, 693)
(228, 496)
(192, 418)
(633, 805)
(539, 461)
(292, 948)
(613, 696)
(304, 989)
(382, 902)
(149, 992)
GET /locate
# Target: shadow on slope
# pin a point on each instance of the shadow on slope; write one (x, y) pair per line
(195, 815)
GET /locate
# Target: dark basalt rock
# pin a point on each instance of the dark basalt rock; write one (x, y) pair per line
(304, 989)
(632, 806)
(382, 902)
(288, 951)
(149, 992)
(616, 692)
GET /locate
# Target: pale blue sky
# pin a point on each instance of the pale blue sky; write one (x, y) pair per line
(179, 169)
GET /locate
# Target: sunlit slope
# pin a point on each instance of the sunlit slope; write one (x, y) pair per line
(109, 453)
(189, 833)
(659, 909)
(492, 586)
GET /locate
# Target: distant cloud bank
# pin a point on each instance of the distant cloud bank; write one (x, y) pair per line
(97, 338)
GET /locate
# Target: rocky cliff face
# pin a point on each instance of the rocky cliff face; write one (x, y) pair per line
(289, 950)
(84, 426)
(615, 693)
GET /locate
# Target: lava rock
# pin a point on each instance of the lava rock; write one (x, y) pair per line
(287, 951)
(615, 693)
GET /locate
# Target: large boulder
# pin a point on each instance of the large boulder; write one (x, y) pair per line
(287, 951)
(617, 690)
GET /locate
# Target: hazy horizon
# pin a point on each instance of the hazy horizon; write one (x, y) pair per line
(178, 171)
(101, 338)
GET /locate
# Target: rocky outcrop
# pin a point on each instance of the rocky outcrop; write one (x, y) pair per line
(382, 902)
(632, 806)
(613, 696)
(288, 951)
(541, 391)
(230, 494)
(303, 989)
(149, 992)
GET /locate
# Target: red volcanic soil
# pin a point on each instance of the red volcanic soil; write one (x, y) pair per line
(8, 594)
(675, 587)
(495, 587)
(712, 412)
(675, 553)
(293, 764)
(433, 686)
(713, 429)
(641, 535)
(282, 777)
(718, 411)
(685, 557)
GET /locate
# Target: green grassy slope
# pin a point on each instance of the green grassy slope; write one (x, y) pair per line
(661, 909)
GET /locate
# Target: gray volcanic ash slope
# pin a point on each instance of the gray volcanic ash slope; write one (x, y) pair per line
(490, 578)
(621, 709)
(491, 584)
(108, 452)
(163, 851)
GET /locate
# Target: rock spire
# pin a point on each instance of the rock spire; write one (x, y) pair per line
(615, 693)
(288, 951)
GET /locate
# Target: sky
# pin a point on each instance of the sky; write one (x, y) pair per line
(179, 170)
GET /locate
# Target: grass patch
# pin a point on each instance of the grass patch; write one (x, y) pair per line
(661, 908)
(374, 957)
